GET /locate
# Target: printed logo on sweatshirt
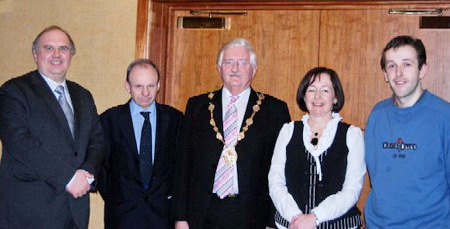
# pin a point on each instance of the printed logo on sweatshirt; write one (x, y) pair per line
(399, 145)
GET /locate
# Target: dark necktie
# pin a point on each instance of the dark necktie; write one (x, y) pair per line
(145, 151)
(65, 107)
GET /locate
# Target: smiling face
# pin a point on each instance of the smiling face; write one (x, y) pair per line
(236, 71)
(403, 75)
(320, 96)
(143, 85)
(53, 55)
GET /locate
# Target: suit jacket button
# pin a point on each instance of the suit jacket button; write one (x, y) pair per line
(76, 153)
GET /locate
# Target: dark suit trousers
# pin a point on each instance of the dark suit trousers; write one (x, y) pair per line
(139, 217)
(224, 214)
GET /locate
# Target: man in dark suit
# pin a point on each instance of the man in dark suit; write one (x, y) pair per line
(227, 143)
(136, 182)
(52, 141)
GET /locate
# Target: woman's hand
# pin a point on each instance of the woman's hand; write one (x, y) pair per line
(303, 221)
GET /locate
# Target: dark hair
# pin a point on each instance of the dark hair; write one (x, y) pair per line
(143, 63)
(35, 45)
(310, 77)
(402, 41)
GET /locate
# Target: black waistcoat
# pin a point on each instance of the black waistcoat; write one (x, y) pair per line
(300, 171)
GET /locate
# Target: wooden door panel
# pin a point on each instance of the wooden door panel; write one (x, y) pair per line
(437, 43)
(290, 42)
(285, 42)
(351, 42)
(356, 39)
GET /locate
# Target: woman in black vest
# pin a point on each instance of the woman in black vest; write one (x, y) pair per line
(318, 166)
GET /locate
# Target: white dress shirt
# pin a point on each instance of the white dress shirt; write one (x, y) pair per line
(53, 84)
(241, 106)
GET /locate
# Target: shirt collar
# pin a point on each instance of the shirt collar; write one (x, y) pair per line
(325, 140)
(394, 100)
(136, 109)
(226, 95)
(53, 84)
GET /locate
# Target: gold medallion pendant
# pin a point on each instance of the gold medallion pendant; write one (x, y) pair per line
(230, 156)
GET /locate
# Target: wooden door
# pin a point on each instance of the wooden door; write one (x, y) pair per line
(351, 42)
(289, 42)
(285, 42)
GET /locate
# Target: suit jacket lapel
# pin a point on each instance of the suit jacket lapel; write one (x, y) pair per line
(249, 110)
(218, 117)
(76, 103)
(126, 127)
(45, 93)
(162, 123)
(240, 147)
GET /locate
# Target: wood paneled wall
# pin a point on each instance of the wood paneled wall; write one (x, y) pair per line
(351, 42)
(279, 43)
(290, 38)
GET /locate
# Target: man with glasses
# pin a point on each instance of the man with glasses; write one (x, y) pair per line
(52, 139)
(227, 142)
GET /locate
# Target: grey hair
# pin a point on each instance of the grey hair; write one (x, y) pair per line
(238, 42)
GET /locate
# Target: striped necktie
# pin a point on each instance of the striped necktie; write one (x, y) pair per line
(223, 180)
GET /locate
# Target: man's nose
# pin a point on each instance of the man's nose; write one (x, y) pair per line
(235, 67)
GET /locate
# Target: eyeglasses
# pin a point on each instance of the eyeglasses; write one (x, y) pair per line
(230, 63)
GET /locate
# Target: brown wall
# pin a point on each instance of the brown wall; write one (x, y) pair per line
(104, 33)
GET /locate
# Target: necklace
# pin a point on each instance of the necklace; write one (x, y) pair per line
(229, 154)
(315, 140)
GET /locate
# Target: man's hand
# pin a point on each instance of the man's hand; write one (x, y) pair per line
(181, 225)
(79, 185)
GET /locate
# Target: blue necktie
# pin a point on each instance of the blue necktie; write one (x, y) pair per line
(145, 151)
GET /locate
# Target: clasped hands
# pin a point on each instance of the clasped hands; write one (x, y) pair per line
(303, 221)
(79, 185)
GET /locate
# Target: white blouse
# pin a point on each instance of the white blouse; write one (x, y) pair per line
(334, 205)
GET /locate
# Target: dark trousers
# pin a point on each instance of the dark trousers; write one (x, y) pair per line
(224, 214)
(69, 223)
(141, 216)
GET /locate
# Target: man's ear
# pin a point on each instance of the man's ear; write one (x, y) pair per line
(254, 71)
(423, 71)
(35, 56)
(127, 86)
(385, 76)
